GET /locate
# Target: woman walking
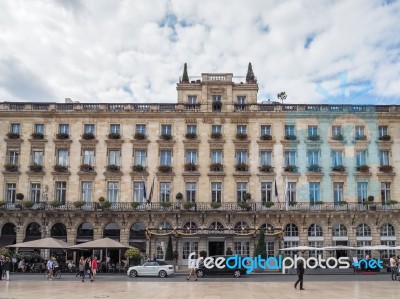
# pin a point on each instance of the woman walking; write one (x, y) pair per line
(81, 268)
(6, 268)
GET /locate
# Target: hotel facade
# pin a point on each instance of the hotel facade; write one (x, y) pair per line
(210, 171)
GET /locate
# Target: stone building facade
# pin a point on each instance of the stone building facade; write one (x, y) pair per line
(209, 171)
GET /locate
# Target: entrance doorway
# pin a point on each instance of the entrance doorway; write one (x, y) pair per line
(216, 248)
(340, 253)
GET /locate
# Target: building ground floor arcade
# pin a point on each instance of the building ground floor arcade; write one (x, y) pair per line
(215, 233)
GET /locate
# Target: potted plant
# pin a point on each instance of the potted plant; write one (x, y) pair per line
(314, 138)
(37, 135)
(55, 203)
(135, 204)
(88, 136)
(191, 135)
(290, 168)
(250, 78)
(248, 196)
(36, 167)
(242, 167)
(391, 202)
(62, 136)
(139, 136)
(133, 255)
(169, 252)
(164, 168)
(386, 168)
(165, 204)
(342, 202)
(290, 137)
(216, 135)
(215, 205)
(86, 167)
(60, 168)
(241, 136)
(339, 168)
(292, 203)
(114, 135)
(19, 196)
(229, 251)
(266, 168)
(12, 135)
(190, 167)
(338, 137)
(2, 203)
(385, 138)
(113, 168)
(101, 199)
(216, 167)
(138, 168)
(268, 204)
(318, 202)
(188, 205)
(361, 137)
(166, 136)
(185, 77)
(106, 204)
(179, 196)
(314, 168)
(261, 247)
(244, 205)
(363, 168)
(11, 167)
(79, 203)
(28, 204)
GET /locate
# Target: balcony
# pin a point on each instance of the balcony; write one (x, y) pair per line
(313, 138)
(191, 136)
(87, 168)
(386, 168)
(11, 135)
(385, 138)
(339, 168)
(166, 137)
(216, 167)
(314, 168)
(290, 168)
(88, 136)
(114, 136)
(337, 137)
(62, 136)
(362, 168)
(360, 138)
(113, 168)
(191, 167)
(216, 136)
(11, 167)
(60, 168)
(139, 168)
(241, 136)
(165, 168)
(140, 136)
(37, 136)
(242, 167)
(36, 167)
(266, 168)
(290, 137)
(266, 137)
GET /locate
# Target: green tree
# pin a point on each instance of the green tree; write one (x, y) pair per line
(261, 249)
(185, 77)
(169, 254)
(250, 74)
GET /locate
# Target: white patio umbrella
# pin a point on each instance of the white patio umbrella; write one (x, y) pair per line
(376, 247)
(339, 247)
(300, 248)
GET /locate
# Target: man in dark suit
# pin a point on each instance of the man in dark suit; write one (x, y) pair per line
(300, 273)
(1, 266)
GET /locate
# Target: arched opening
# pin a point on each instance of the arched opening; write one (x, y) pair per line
(340, 238)
(216, 247)
(363, 238)
(388, 237)
(8, 234)
(32, 232)
(315, 239)
(84, 233)
(137, 236)
(291, 238)
(112, 231)
(59, 231)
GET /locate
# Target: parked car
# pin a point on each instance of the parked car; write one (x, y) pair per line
(151, 268)
(236, 272)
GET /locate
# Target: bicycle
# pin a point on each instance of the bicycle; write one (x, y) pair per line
(56, 274)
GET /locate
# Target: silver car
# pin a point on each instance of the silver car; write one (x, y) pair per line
(151, 268)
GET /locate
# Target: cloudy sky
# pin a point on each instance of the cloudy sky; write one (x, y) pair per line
(321, 51)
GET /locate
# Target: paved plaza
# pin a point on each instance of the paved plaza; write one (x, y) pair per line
(163, 289)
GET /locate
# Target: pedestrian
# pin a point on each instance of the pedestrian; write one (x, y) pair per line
(94, 268)
(6, 267)
(81, 268)
(1, 266)
(87, 270)
(192, 268)
(393, 267)
(49, 267)
(300, 273)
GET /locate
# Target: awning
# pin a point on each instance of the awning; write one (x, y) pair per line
(7, 240)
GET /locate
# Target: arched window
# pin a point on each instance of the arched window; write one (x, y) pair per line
(387, 230)
(189, 227)
(241, 226)
(8, 229)
(216, 225)
(291, 230)
(59, 231)
(267, 227)
(339, 230)
(84, 233)
(137, 231)
(32, 232)
(314, 230)
(164, 225)
(112, 231)
(363, 230)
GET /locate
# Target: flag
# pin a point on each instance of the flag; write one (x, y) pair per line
(151, 192)
(276, 193)
(144, 190)
(286, 194)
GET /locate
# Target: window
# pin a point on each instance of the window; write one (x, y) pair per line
(359, 132)
(291, 230)
(191, 156)
(241, 157)
(265, 158)
(270, 246)
(336, 130)
(191, 129)
(383, 131)
(140, 157)
(88, 157)
(337, 158)
(290, 158)
(362, 191)
(141, 129)
(241, 129)
(159, 253)
(241, 248)
(138, 192)
(35, 192)
(312, 130)
(216, 129)
(63, 128)
(15, 128)
(386, 254)
(115, 128)
(165, 189)
(339, 230)
(61, 192)
(62, 157)
(190, 227)
(265, 130)
(241, 100)
(216, 156)
(361, 254)
(338, 192)
(363, 230)
(112, 191)
(241, 191)
(266, 191)
(192, 99)
(316, 244)
(385, 192)
(89, 128)
(11, 190)
(188, 248)
(39, 128)
(166, 130)
(315, 230)
(114, 157)
(289, 130)
(288, 244)
(166, 157)
(291, 192)
(216, 98)
(361, 158)
(13, 157)
(86, 191)
(216, 103)
(37, 157)
(384, 158)
(387, 230)
(313, 157)
(191, 192)
(314, 192)
(216, 192)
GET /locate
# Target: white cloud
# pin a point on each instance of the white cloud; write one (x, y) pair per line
(131, 51)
